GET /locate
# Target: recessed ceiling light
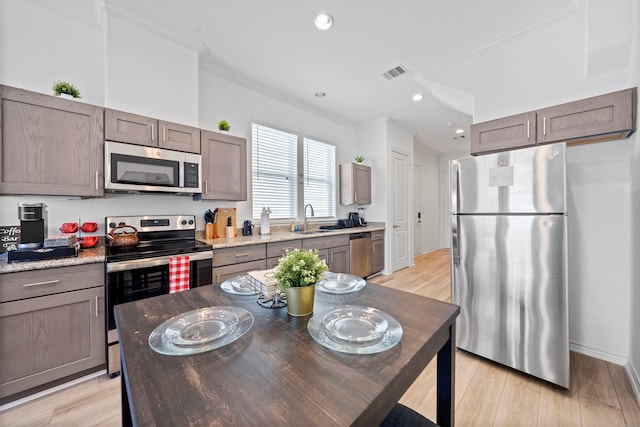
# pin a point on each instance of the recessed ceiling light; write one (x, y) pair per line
(323, 21)
(321, 94)
(417, 97)
(459, 130)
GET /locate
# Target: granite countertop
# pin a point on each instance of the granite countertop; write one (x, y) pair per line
(280, 235)
(95, 255)
(85, 256)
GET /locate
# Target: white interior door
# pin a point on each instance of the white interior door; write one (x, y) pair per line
(418, 211)
(400, 208)
(445, 211)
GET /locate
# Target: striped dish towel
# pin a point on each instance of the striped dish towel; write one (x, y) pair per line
(178, 274)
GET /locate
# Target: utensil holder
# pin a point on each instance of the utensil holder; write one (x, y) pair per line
(209, 230)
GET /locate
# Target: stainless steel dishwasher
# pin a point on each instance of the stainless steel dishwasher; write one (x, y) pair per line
(360, 254)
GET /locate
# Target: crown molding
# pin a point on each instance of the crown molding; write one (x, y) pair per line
(116, 11)
(97, 20)
(209, 65)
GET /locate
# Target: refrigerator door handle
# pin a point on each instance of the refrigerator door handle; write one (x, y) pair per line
(455, 241)
(454, 184)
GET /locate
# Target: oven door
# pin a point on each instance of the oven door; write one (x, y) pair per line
(138, 279)
(133, 280)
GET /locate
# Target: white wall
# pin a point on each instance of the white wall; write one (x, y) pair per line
(40, 45)
(429, 199)
(598, 200)
(150, 75)
(634, 300)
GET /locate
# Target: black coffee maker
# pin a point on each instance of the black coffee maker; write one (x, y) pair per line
(33, 225)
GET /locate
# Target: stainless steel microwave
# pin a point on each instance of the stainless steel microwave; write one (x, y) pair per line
(136, 168)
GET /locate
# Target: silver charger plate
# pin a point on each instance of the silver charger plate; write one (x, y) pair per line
(340, 283)
(239, 285)
(200, 330)
(359, 321)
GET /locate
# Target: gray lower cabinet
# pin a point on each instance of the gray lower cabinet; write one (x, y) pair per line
(224, 166)
(52, 327)
(333, 249)
(276, 250)
(131, 128)
(377, 251)
(238, 260)
(50, 145)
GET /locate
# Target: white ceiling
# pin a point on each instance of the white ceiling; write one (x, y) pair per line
(275, 46)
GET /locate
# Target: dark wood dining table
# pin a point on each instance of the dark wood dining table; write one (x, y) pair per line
(277, 374)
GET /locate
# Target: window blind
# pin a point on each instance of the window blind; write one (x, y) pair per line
(320, 177)
(274, 167)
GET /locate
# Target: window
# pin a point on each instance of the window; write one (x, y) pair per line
(278, 158)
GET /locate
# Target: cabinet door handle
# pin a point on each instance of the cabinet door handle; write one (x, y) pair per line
(153, 134)
(48, 282)
(96, 307)
(242, 254)
(355, 196)
(544, 126)
(528, 134)
(206, 187)
(396, 226)
(97, 181)
(164, 134)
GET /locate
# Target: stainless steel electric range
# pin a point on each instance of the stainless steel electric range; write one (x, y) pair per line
(139, 271)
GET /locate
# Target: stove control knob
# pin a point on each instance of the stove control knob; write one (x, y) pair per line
(190, 222)
(112, 225)
(122, 223)
(183, 222)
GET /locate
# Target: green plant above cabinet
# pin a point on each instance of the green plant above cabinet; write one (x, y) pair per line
(131, 128)
(601, 118)
(49, 145)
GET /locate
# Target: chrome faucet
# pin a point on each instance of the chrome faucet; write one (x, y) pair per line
(308, 205)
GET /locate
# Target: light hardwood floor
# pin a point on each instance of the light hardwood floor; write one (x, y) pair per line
(487, 394)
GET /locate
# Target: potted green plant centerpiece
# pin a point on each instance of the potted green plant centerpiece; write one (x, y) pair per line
(297, 273)
(359, 159)
(65, 88)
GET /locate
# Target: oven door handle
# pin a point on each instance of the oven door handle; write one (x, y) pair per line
(134, 264)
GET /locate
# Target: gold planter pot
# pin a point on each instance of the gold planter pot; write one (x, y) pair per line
(300, 300)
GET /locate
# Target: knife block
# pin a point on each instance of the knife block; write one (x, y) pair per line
(221, 222)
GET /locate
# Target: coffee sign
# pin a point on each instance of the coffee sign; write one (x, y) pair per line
(9, 238)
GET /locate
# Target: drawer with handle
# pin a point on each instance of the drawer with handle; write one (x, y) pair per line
(277, 249)
(49, 281)
(238, 254)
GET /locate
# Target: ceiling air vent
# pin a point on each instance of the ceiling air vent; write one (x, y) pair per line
(395, 72)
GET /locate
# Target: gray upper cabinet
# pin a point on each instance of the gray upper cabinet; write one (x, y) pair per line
(602, 118)
(49, 145)
(506, 133)
(355, 184)
(224, 166)
(140, 130)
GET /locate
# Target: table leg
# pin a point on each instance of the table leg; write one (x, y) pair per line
(124, 401)
(446, 380)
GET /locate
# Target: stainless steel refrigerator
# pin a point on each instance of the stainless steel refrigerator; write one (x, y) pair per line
(509, 259)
